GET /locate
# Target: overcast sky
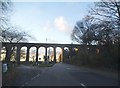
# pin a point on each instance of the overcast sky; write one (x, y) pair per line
(52, 20)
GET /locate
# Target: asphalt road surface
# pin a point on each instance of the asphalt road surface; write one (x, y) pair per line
(67, 75)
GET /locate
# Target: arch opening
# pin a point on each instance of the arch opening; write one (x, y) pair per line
(66, 53)
(3, 54)
(50, 54)
(13, 54)
(23, 52)
(59, 54)
(32, 54)
(66, 49)
(41, 54)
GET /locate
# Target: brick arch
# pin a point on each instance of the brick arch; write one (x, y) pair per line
(29, 45)
(40, 47)
(50, 57)
(33, 50)
(3, 53)
(61, 59)
(25, 51)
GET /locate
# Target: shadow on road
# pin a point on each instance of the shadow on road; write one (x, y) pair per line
(58, 75)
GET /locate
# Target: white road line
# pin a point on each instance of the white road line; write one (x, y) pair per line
(31, 79)
(83, 85)
(68, 68)
(23, 85)
(38, 75)
(26, 82)
(35, 76)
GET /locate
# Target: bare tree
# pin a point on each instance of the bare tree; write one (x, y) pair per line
(83, 31)
(11, 34)
(104, 32)
(5, 8)
(102, 26)
(107, 12)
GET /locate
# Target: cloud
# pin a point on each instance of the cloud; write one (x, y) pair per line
(62, 25)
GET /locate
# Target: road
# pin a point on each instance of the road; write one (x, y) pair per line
(68, 75)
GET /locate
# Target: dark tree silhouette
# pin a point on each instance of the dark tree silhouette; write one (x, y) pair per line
(102, 27)
(5, 9)
(83, 31)
(108, 13)
(11, 34)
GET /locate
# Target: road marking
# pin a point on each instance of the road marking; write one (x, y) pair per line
(22, 86)
(35, 76)
(83, 85)
(31, 79)
(38, 75)
(26, 82)
(68, 68)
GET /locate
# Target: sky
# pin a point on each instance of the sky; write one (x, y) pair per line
(49, 22)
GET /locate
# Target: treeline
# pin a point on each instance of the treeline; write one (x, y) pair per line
(101, 27)
(94, 56)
